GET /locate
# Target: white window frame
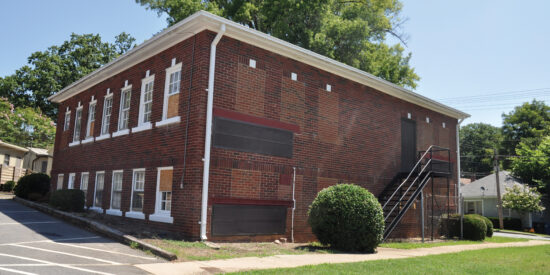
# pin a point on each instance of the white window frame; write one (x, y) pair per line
(77, 128)
(89, 134)
(94, 206)
(174, 68)
(60, 179)
(85, 175)
(105, 123)
(124, 131)
(134, 214)
(111, 211)
(71, 180)
(67, 121)
(160, 215)
(141, 124)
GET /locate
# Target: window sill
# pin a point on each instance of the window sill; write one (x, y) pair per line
(161, 218)
(135, 215)
(143, 127)
(168, 121)
(114, 212)
(102, 137)
(121, 132)
(88, 140)
(74, 143)
(96, 209)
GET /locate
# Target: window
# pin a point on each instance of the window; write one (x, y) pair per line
(67, 121)
(107, 110)
(124, 109)
(138, 187)
(146, 101)
(77, 122)
(72, 177)
(84, 184)
(473, 207)
(116, 190)
(59, 181)
(99, 185)
(91, 120)
(44, 167)
(163, 204)
(171, 94)
(7, 159)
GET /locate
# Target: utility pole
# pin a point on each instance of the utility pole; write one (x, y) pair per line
(499, 198)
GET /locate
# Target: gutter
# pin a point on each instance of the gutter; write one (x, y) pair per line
(208, 134)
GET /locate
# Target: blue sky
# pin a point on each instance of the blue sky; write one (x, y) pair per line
(483, 57)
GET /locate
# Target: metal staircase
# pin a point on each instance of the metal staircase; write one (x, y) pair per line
(398, 196)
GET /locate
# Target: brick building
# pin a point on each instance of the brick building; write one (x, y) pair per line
(286, 123)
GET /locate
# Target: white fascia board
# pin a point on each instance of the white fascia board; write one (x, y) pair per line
(202, 20)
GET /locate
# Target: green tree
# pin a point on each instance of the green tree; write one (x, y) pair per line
(25, 126)
(527, 123)
(532, 165)
(353, 32)
(477, 144)
(49, 71)
(522, 199)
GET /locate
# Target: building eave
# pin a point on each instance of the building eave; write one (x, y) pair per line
(202, 20)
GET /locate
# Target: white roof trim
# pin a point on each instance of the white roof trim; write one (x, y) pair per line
(202, 20)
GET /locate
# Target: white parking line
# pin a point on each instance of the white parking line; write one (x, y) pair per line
(56, 264)
(65, 253)
(107, 251)
(54, 240)
(18, 211)
(17, 271)
(24, 223)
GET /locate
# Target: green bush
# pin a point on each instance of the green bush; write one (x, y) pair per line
(450, 226)
(71, 200)
(33, 183)
(489, 225)
(347, 217)
(509, 223)
(8, 186)
(474, 228)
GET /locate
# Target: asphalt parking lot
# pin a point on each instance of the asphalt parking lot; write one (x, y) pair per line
(34, 243)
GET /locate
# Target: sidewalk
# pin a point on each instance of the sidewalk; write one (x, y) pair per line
(282, 261)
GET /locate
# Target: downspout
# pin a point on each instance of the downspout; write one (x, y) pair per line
(208, 134)
(293, 204)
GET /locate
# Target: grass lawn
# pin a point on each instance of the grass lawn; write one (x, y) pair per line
(413, 245)
(198, 251)
(513, 260)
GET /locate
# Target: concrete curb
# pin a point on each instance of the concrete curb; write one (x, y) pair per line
(99, 228)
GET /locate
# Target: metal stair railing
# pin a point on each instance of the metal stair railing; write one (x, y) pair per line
(424, 173)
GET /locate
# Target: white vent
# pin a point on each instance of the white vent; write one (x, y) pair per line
(443, 124)
(427, 119)
(252, 63)
(294, 76)
(173, 62)
(409, 116)
(329, 88)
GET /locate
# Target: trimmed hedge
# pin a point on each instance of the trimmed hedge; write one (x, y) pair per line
(489, 225)
(71, 200)
(8, 186)
(33, 183)
(474, 228)
(347, 217)
(509, 223)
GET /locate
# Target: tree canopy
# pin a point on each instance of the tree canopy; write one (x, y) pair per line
(533, 164)
(25, 126)
(49, 71)
(477, 144)
(528, 123)
(353, 32)
(522, 199)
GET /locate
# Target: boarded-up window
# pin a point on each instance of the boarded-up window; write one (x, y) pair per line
(246, 137)
(165, 189)
(228, 219)
(173, 105)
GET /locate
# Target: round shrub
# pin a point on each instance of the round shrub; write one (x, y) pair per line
(8, 186)
(33, 183)
(71, 200)
(489, 225)
(347, 217)
(475, 228)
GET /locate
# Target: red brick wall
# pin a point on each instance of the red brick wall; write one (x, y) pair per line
(350, 135)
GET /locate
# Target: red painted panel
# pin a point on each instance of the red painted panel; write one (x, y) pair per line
(256, 120)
